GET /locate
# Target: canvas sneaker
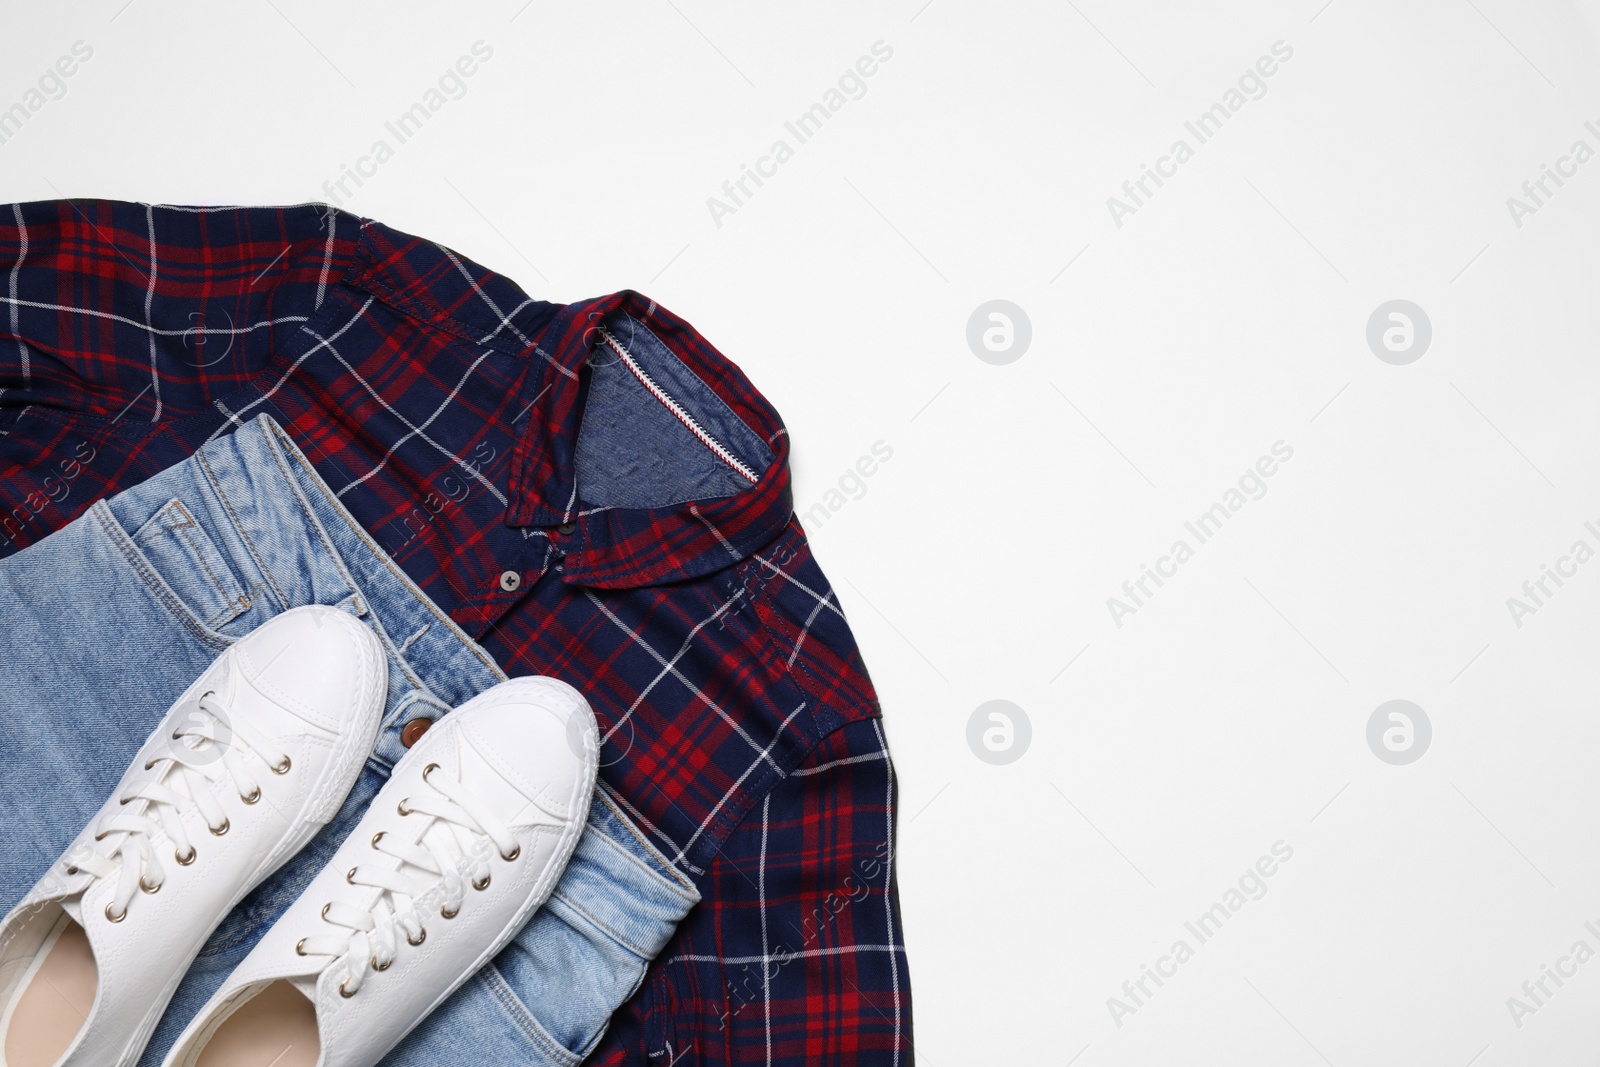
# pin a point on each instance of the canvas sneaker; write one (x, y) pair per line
(455, 854)
(242, 772)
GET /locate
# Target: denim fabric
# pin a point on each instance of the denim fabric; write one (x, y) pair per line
(619, 412)
(105, 622)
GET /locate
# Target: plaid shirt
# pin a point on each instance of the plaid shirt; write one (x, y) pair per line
(443, 406)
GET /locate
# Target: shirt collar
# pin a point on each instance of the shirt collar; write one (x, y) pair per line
(620, 547)
(609, 547)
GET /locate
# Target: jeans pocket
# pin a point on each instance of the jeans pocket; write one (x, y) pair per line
(178, 548)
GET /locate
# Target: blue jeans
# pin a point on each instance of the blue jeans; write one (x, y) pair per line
(104, 623)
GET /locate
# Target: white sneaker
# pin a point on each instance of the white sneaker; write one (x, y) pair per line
(248, 765)
(456, 853)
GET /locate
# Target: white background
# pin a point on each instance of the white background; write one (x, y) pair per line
(1228, 313)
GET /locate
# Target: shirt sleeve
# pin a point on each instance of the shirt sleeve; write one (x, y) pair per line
(795, 956)
(127, 312)
(119, 318)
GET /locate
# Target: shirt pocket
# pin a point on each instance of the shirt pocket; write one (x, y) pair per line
(178, 547)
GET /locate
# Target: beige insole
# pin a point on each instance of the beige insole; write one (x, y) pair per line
(276, 1028)
(56, 1002)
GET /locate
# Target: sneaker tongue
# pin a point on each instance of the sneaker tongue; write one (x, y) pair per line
(74, 908)
(478, 775)
(243, 697)
(490, 787)
(440, 836)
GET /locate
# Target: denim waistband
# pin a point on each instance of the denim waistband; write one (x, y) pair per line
(306, 548)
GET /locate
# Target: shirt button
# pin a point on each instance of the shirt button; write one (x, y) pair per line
(412, 731)
(510, 581)
(567, 527)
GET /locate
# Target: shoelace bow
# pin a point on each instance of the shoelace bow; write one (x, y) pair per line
(370, 939)
(204, 754)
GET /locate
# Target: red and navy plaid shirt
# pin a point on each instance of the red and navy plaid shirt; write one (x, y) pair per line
(444, 406)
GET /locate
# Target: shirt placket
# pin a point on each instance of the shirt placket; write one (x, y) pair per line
(524, 557)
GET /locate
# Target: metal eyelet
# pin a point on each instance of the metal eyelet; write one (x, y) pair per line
(253, 797)
(480, 886)
(218, 831)
(514, 854)
(419, 940)
(325, 908)
(300, 947)
(377, 837)
(401, 807)
(148, 888)
(185, 861)
(429, 769)
(350, 876)
(102, 835)
(115, 918)
(149, 764)
(282, 768)
(346, 993)
(380, 968)
(448, 914)
(71, 870)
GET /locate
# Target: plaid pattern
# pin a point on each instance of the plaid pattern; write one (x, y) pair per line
(442, 405)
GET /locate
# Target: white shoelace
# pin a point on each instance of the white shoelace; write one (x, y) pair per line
(211, 749)
(449, 851)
